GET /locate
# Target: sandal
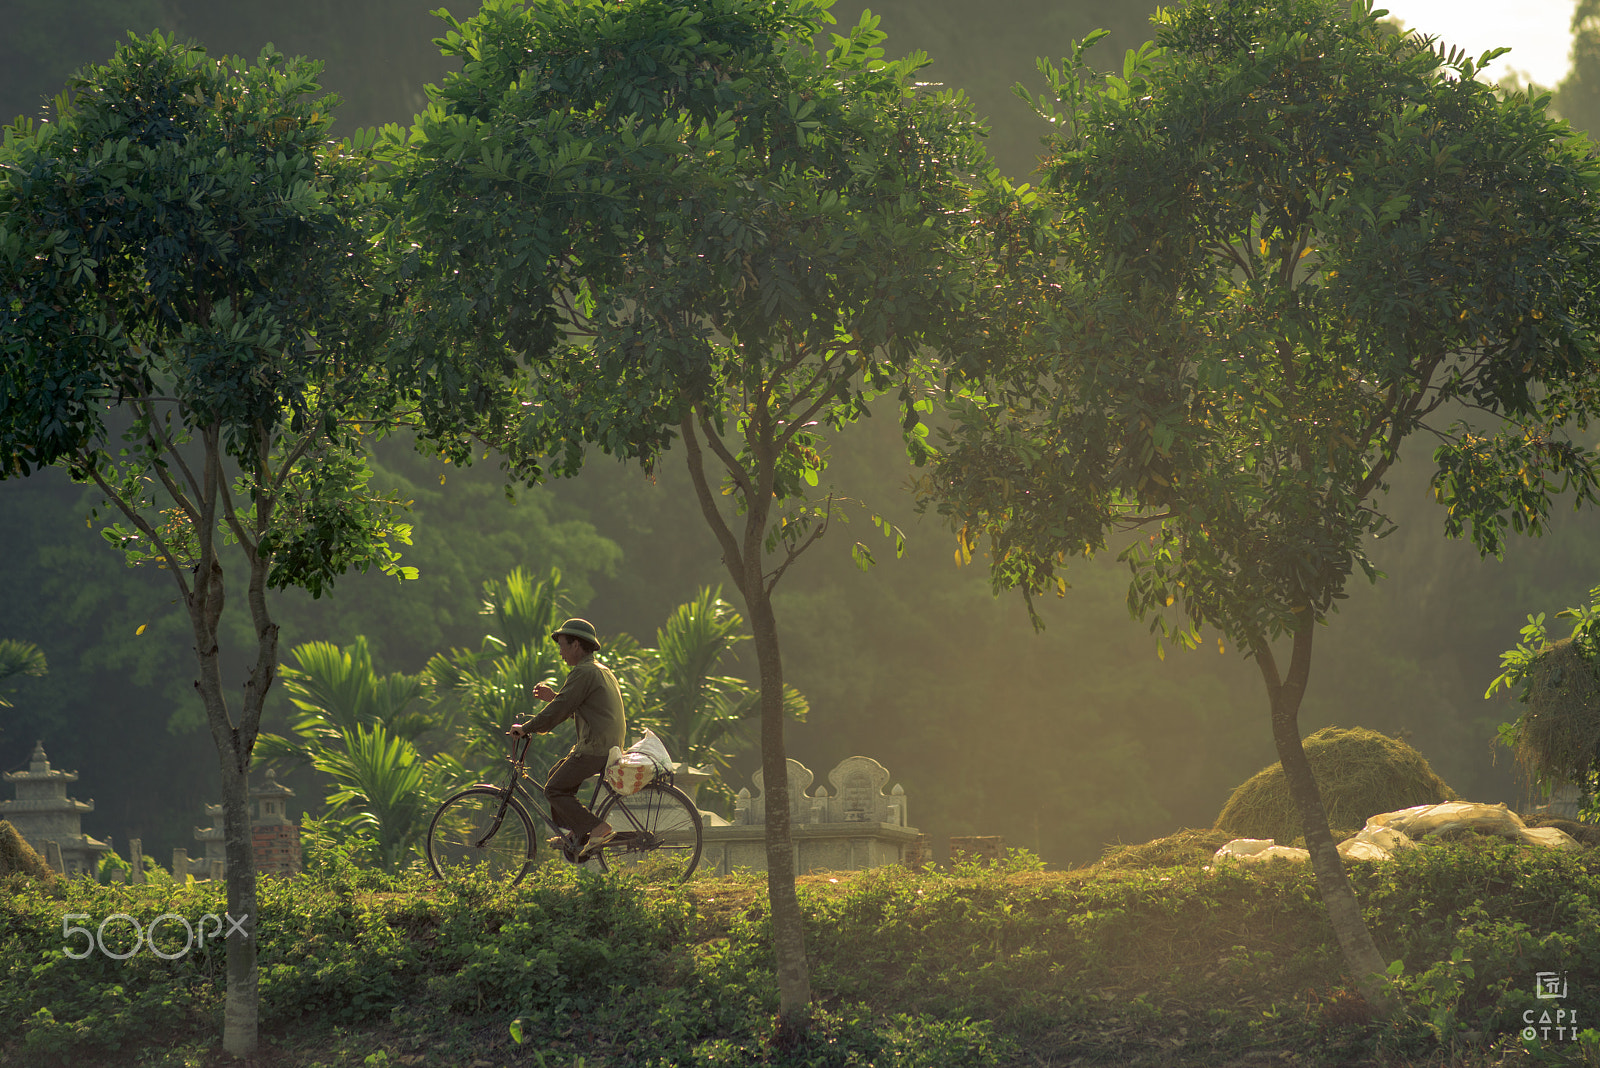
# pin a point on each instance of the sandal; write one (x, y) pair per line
(593, 846)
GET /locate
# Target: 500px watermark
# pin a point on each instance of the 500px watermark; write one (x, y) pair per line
(145, 936)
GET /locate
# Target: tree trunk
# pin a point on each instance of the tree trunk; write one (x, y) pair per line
(788, 928)
(743, 559)
(204, 597)
(234, 742)
(243, 1008)
(1361, 957)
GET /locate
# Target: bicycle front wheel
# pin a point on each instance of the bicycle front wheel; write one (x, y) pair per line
(657, 833)
(481, 830)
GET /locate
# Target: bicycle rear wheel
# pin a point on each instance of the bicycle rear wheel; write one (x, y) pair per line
(657, 833)
(481, 830)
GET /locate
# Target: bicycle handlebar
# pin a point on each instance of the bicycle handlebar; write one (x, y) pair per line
(526, 740)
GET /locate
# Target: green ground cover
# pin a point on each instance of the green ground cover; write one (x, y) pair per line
(1114, 964)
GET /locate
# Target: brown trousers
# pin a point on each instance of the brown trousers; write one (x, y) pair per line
(561, 790)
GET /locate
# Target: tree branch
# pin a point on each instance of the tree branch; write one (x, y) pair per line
(793, 554)
(579, 323)
(732, 557)
(1232, 254)
(797, 423)
(741, 477)
(1261, 649)
(1132, 522)
(168, 448)
(173, 564)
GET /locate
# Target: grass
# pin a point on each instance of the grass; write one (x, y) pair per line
(1117, 964)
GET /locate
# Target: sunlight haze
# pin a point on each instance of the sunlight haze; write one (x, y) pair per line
(1537, 31)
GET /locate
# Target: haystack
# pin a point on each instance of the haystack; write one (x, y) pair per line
(1560, 728)
(1190, 847)
(1360, 772)
(16, 855)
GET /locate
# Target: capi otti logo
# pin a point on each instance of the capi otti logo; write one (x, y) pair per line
(1552, 1021)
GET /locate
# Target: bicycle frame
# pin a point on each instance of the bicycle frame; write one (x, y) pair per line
(519, 771)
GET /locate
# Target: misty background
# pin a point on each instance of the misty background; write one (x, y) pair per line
(1063, 741)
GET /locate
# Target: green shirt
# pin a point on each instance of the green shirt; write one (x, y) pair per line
(591, 697)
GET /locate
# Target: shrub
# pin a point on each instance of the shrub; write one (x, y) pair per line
(1136, 965)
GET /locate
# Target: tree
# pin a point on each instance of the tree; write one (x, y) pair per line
(186, 265)
(692, 228)
(1284, 242)
(1556, 736)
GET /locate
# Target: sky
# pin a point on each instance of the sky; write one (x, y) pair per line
(1537, 31)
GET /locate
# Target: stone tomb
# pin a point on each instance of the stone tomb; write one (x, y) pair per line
(50, 821)
(276, 840)
(855, 827)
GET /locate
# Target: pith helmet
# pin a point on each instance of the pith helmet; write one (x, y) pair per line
(578, 628)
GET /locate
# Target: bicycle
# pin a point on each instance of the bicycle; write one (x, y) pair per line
(486, 828)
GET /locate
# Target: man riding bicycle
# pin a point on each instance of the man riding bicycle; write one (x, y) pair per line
(591, 698)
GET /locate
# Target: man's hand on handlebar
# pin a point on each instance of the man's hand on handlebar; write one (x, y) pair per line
(519, 730)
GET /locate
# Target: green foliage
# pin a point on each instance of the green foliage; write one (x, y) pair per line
(1174, 964)
(1487, 916)
(384, 788)
(467, 528)
(338, 689)
(758, 240)
(1557, 735)
(389, 761)
(109, 865)
(356, 729)
(1517, 666)
(93, 1006)
(570, 944)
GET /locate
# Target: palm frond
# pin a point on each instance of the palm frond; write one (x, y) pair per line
(384, 784)
(19, 658)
